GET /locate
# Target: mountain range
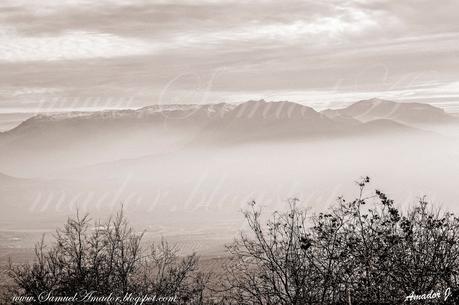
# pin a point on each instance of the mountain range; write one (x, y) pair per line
(251, 116)
(82, 138)
(211, 159)
(407, 113)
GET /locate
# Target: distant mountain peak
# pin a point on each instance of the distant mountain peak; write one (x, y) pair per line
(374, 101)
(274, 110)
(406, 112)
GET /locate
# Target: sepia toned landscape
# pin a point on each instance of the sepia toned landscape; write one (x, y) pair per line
(192, 168)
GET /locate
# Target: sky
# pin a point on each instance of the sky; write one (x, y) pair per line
(58, 55)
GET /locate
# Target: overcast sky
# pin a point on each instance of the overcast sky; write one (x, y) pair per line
(57, 54)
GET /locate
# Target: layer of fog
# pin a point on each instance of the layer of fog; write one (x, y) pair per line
(203, 188)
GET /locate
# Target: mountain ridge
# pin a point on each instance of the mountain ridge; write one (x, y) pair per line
(84, 138)
(260, 118)
(407, 113)
(363, 110)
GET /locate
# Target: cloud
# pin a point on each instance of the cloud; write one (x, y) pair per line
(72, 45)
(126, 48)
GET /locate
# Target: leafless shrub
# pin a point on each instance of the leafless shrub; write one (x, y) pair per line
(108, 258)
(363, 251)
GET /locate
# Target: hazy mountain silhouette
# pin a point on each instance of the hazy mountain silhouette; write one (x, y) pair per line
(56, 141)
(409, 113)
(191, 158)
(6, 179)
(253, 116)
